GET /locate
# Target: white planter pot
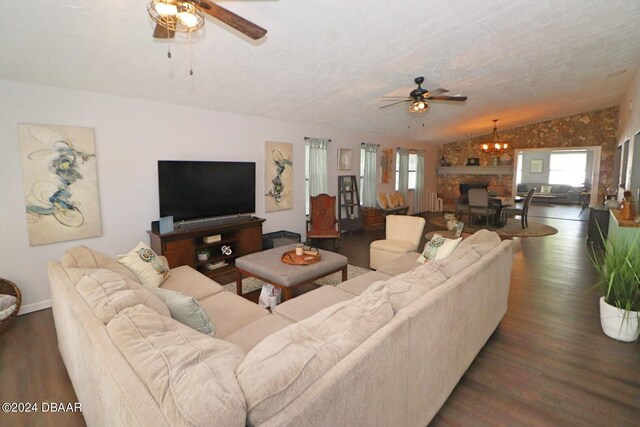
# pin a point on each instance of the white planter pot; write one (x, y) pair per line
(616, 325)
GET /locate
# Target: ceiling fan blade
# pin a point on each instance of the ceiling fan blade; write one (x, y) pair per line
(447, 98)
(246, 27)
(395, 103)
(438, 91)
(161, 32)
(396, 97)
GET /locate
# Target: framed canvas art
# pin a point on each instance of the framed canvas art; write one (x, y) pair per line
(344, 159)
(535, 166)
(60, 183)
(278, 167)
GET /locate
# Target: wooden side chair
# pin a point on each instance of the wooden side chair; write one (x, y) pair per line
(322, 222)
(523, 211)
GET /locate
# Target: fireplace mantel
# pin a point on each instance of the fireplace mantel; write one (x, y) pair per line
(475, 170)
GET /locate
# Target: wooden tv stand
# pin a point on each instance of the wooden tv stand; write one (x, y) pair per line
(237, 238)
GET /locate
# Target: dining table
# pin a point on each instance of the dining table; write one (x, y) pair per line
(498, 203)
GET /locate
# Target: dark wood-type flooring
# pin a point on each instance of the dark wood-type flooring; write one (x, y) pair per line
(548, 363)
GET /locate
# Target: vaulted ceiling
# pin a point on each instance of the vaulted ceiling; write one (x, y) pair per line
(329, 62)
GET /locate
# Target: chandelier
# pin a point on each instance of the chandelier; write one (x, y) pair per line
(176, 15)
(495, 145)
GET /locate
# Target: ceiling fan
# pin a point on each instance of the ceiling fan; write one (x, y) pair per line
(173, 16)
(418, 97)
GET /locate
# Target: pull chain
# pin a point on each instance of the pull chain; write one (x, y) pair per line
(190, 55)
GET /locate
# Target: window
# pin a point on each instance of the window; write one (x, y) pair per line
(413, 165)
(316, 174)
(568, 167)
(306, 179)
(519, 168)
(368, 174)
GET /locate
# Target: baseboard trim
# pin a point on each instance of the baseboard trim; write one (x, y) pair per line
(36, 306)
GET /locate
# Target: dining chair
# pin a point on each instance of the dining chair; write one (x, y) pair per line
(523, 211)
(479, 203)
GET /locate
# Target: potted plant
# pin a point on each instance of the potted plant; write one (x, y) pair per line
(618, 268)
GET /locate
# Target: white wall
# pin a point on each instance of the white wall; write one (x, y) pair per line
(628, 129)
(130, 136)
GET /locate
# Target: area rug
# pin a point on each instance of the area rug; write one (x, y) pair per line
(251, 284)
(512, 229)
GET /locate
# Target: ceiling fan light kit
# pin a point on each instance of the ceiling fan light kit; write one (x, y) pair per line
(176, 16)
(418, 98)
(418, 107)
(495, 145)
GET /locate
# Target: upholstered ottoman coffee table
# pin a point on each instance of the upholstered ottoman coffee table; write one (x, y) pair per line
(268, 267)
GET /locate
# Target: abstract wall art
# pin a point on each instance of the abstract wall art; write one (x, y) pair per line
(60, 183)
(278, 176)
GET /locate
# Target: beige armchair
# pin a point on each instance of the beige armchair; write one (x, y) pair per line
(403, 235)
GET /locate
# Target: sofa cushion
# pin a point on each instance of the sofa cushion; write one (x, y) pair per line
(310, 303)
(190, 375)
(393, 246)
(107, 293)
(247, 337)
(82, 257)
(186, 309)
(405, 288)
(468, 252)
(230, 312)
(482, 242)
(358, 284)
(285, 364)
(190, 281)
(150, 269)
(402, 264)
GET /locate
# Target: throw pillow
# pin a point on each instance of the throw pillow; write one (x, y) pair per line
(149, 268)
(391, 200)
(438, 248)
(399, 199)
(382, 200)
(545, 189)
(187, 310)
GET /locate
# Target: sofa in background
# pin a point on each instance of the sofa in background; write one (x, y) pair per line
(564, 193)
(385, 348)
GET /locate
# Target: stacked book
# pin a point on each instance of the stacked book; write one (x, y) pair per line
(211, 239)
(215, 265)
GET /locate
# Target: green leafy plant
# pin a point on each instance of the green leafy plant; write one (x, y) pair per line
(618, 267)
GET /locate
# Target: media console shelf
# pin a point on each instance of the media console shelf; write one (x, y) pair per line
(236, 239)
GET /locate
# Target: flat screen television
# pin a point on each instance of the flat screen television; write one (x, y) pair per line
(192, 190)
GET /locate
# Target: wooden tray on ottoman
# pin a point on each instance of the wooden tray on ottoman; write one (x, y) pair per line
(309, 257)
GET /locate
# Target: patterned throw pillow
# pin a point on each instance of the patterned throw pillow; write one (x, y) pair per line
(399, 198)
(545, 189)
(437, 248)
(150, 269)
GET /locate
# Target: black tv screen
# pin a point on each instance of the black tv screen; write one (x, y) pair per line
(193, 190)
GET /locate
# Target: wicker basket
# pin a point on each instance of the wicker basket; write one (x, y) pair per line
(10, 288)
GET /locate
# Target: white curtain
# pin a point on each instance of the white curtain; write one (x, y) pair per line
(370, 175)
(318, 170)
(403, 180)
(418, 195)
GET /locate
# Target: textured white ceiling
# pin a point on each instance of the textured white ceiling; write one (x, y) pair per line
(329, 62)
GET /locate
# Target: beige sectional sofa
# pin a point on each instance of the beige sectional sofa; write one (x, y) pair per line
(383, 349)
